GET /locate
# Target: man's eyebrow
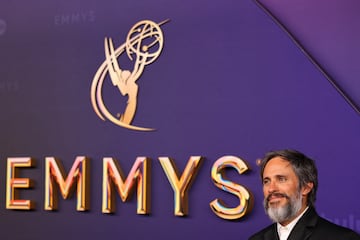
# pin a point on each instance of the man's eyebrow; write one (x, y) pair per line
(276, 176)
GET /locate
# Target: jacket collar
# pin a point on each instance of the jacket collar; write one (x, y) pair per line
(272, 234)
(304, 226)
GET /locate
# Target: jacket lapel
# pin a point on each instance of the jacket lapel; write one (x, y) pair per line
(271, 234)
(304, 227)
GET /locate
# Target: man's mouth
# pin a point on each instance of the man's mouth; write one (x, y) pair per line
(276, 197)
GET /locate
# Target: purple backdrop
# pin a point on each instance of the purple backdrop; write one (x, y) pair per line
(229, 81)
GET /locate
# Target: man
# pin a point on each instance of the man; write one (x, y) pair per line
(289, 184)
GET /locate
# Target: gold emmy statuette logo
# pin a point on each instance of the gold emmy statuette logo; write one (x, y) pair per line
(143, 45)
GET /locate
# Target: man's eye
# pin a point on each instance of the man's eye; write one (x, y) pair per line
(282, 179)
(265, 182)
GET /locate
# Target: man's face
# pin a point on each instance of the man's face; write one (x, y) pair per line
(283, 198)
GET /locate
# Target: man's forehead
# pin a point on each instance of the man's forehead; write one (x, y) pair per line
(278, 165)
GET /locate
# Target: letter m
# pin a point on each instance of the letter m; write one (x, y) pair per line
(138, 178)
(78, 175)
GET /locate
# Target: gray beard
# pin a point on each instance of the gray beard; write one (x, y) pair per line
(286, 212)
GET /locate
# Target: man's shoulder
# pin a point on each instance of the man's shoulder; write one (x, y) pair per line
(260, 235)
(333, 229)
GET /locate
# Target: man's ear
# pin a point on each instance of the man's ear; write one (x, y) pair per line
(307, 188)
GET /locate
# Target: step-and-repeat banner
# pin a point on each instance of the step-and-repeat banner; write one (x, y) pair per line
(146, 119)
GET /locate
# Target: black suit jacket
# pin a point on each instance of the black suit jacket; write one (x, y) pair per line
(310, 227)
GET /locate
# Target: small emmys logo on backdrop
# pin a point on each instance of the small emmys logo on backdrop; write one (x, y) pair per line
(143, 46)
(81, 17)
(9, 85)
(2, 27)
